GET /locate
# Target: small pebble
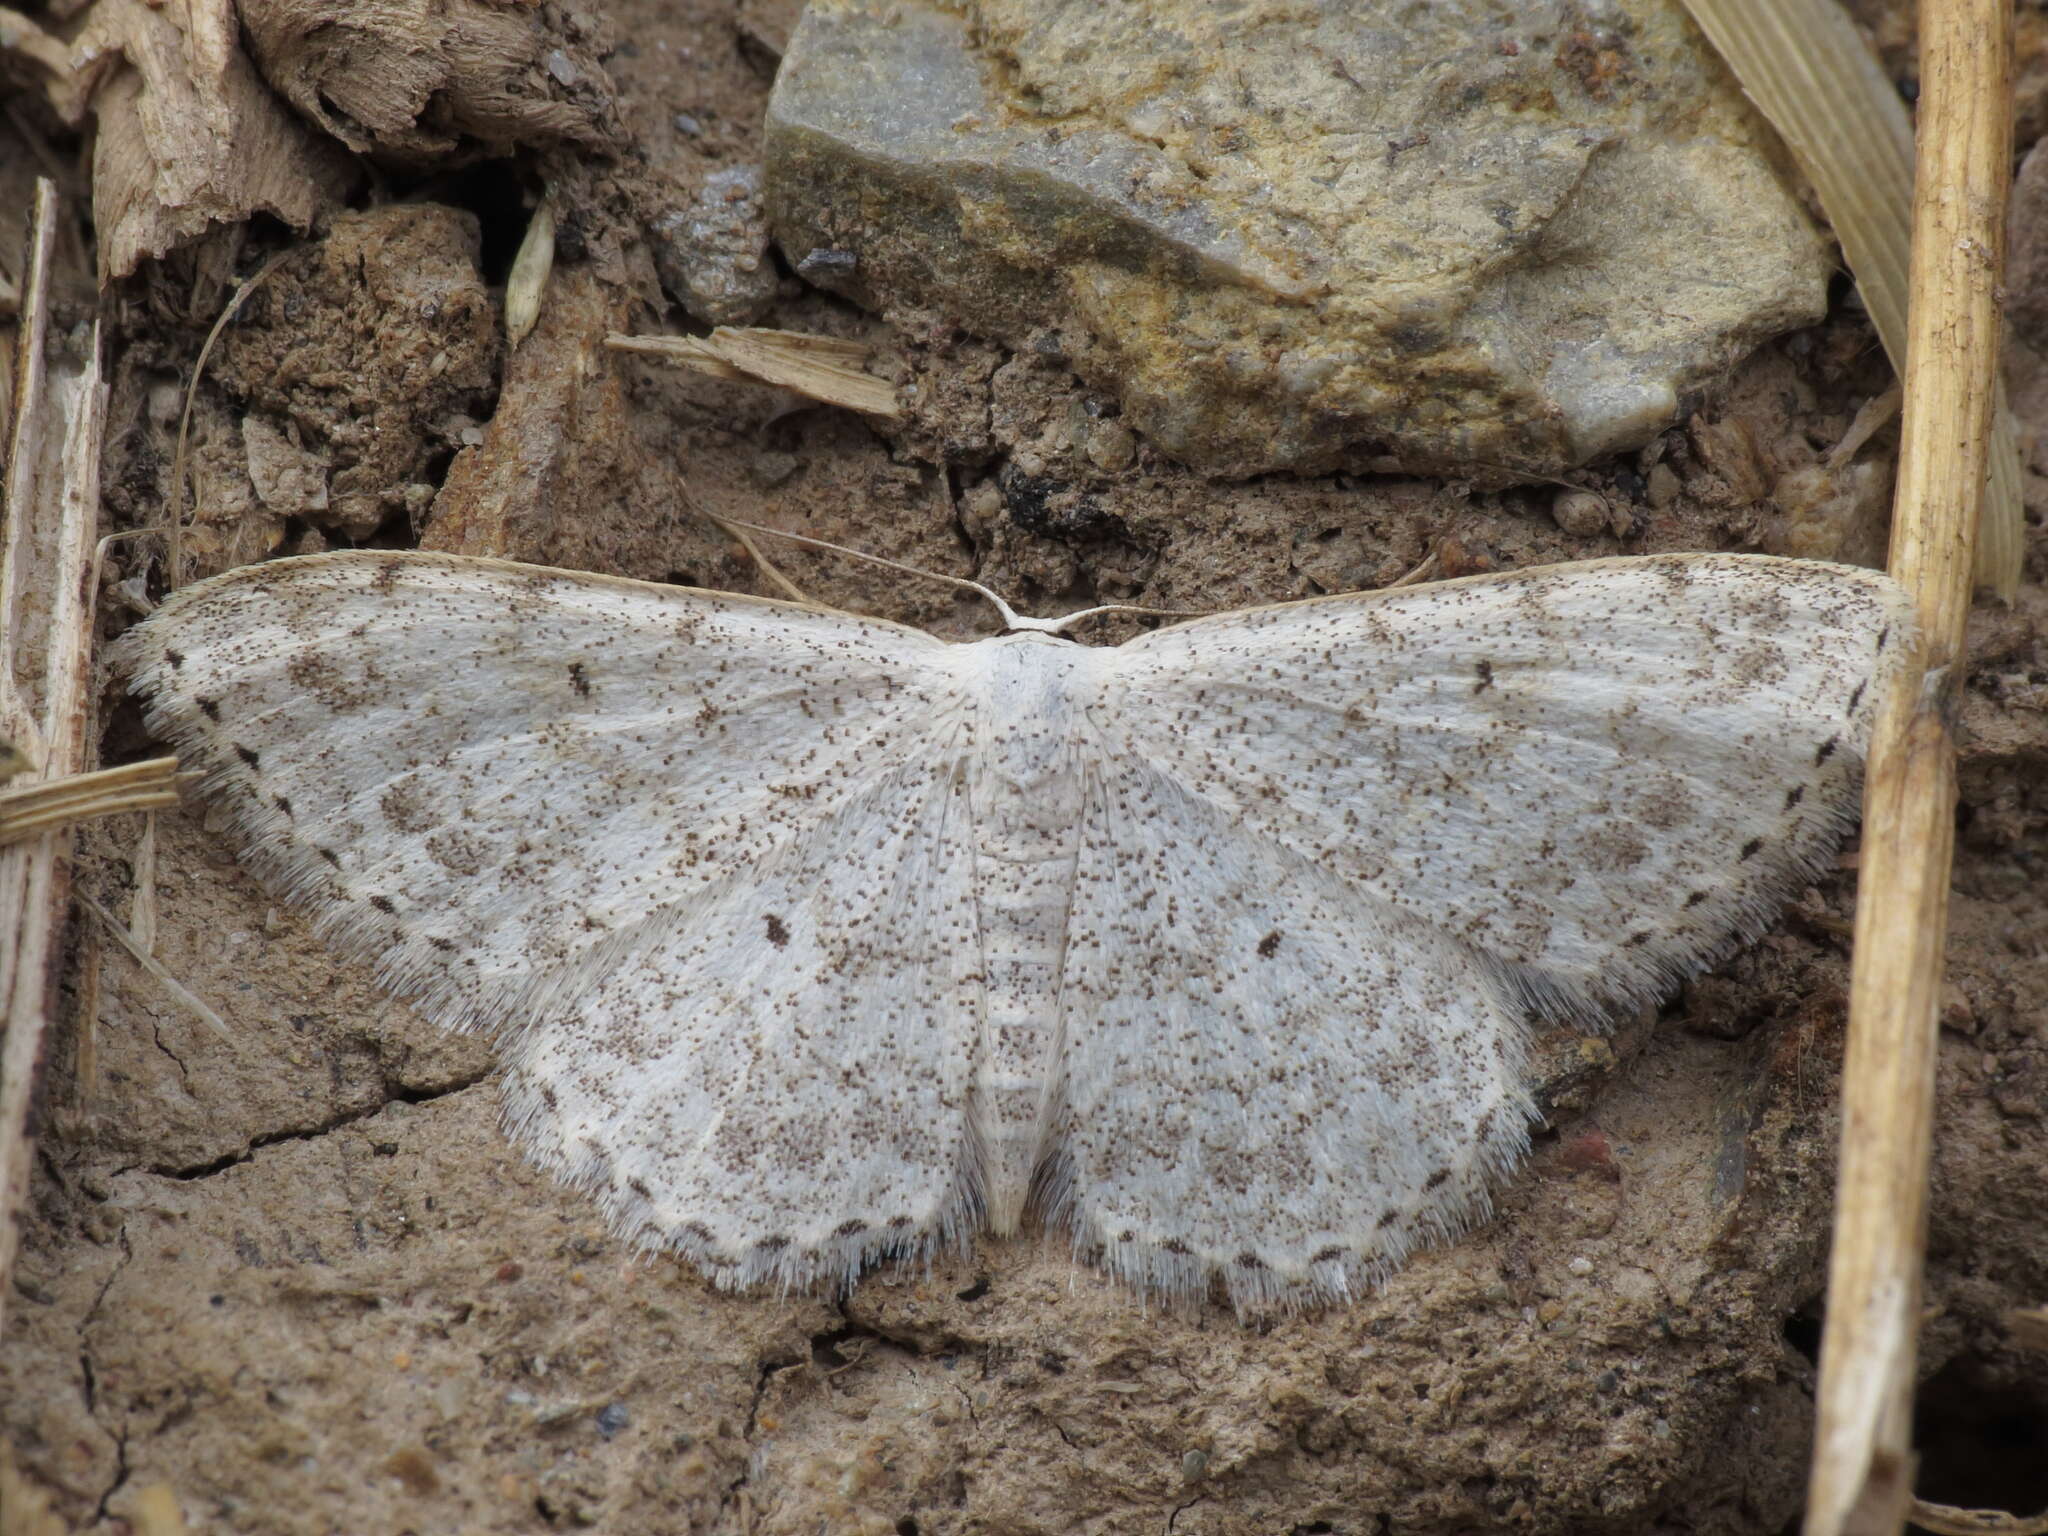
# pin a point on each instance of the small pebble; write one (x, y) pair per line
(1111, 446)
(1581, 1266)
(772, 466)
(1663, 486)
(612, 1418)
(687, 125)
(560, 67)
(1580, 513)
(823, 263)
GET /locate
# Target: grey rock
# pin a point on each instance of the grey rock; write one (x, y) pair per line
(1379, 236)
(713, 255)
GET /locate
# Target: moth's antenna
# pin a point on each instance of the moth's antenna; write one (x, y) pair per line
(1012, 619)
(774, 572)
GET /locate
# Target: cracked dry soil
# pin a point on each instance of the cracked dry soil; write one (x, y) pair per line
(298, 1282)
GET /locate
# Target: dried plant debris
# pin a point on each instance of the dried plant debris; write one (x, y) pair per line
(187, 136)
(1804, 63)
(418, 80)
(825, 368)
(527, 285)
(52, 803)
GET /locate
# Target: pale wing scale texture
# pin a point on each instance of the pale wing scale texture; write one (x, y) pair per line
(772, 1077)
(1602, 774)
(516, 791)
(1266, 1076)
(810, 937)
(1338, 847)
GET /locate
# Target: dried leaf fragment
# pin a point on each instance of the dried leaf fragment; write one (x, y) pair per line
(824, 368)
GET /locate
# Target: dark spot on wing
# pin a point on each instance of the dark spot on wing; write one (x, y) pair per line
(579, 679)
(1751, 848)
(1437, 1180)
(773, 1244)
(383, 904)
(850, 1228)
(1269, 946)
(330, 856)
(778, 932)
(1827, 750)
(208, 708)
(547, 1097)
(899, 1221)
(1249, 1260)
(639, 1187)
(1330, 1255)
(248, 755)
(1387, 1219)
(402, 807)
(283, 803)
(1174, 1245)
(1642, 937)
(1695, 898)
(446, 946)
(1794, 795)
(1856, 696)
(1484, 672)
(175, 658)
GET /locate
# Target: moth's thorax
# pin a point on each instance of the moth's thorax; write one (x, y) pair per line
(1031, 692)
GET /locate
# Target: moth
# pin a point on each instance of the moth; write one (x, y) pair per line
(811, 941)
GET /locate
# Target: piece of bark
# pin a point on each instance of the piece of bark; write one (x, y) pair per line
(560, 415)
(420, 79)
(188, 137)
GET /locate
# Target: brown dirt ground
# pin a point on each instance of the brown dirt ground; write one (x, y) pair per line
(302, 1283)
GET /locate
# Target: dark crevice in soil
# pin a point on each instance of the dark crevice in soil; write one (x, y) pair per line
(157, 1034)
(1982, 1438)
(120, 1477)
(1801, 1329)
(89, 1379)
(736, 1490)
(229, 1160)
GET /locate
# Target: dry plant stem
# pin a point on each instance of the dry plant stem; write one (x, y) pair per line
(1815, 79)
(46, 544)
(179, 992)
(1949, 1520)
(174, 554)
(821, 367)
(1862, 1471)
(24, 451)
(46, 806)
